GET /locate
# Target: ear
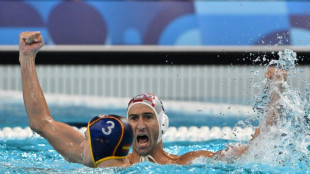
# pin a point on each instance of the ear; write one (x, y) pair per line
(164, 124)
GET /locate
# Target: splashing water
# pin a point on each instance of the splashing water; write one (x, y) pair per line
(286, 143)
(286, 60)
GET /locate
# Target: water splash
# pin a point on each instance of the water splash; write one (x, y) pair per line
(287, 59)
(287, 142)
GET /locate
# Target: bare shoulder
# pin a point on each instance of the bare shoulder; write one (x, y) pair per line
(190, 156)
(132, 158)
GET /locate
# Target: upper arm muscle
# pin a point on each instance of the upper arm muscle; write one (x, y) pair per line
(65, 140)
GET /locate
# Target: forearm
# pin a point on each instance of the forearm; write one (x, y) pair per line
(231, 153)
(35, 103)
(276, 88)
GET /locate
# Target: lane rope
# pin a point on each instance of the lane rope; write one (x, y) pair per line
(173, 134)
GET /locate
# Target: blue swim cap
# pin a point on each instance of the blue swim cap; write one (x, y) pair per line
(110, 136)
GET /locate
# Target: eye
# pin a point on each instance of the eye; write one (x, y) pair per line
(148, 116)
(133, 117)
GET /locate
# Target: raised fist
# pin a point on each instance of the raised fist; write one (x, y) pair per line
(30, 43)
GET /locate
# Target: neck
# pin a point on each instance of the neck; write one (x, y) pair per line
(158, 153)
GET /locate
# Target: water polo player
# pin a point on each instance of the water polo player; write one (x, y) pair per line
(145, 113)
(109, 138)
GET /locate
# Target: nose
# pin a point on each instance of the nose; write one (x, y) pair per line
(141, 125)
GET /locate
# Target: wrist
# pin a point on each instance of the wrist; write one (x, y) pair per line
(27, 53)
(26, 56)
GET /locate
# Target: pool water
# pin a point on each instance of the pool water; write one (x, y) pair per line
(35, 155)
(283, 149)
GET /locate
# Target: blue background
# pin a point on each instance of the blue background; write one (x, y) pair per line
(96, 22)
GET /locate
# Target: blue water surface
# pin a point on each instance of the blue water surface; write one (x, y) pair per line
(35, 155)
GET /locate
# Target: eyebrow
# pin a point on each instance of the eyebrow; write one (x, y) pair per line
(131, 115)
(148, 113)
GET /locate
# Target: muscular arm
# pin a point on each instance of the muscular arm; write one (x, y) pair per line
(276, 78)
(62, 137)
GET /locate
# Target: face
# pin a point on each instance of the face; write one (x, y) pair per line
(86, 155)
(144, 123)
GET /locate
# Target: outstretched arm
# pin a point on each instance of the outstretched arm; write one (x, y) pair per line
(62, 137)
(276, 78)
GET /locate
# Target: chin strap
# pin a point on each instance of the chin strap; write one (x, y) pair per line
(146, 158)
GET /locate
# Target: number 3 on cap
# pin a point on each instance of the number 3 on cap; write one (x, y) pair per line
(109, 128)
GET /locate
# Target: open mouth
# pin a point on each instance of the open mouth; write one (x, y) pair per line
(142, 140)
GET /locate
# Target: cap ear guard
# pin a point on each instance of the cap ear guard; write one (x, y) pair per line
(164, 123)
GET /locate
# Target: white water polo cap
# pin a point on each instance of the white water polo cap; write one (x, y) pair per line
(153, 102)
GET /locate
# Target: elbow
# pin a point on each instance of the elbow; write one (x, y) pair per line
(35, 128)
(39, 125)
